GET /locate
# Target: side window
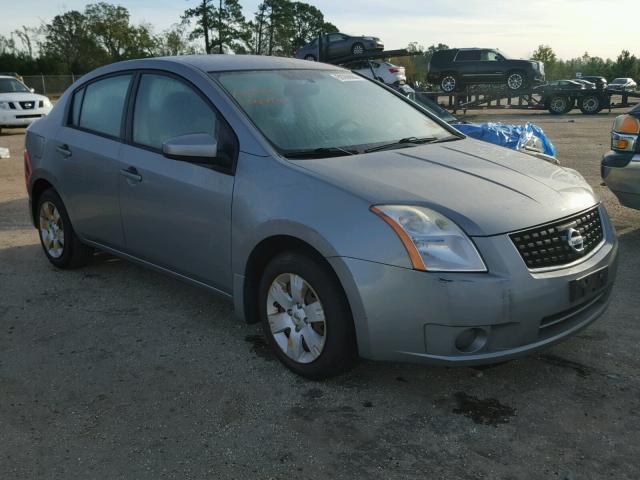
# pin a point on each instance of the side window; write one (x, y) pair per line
(468, 55)
(489, 56)
(102, 107)
(166, 108)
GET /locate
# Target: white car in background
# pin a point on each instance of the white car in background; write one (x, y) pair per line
(384, 72)
(623, 85)
(19, 106)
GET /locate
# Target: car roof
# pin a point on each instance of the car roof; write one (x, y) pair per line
(8, 76)
(222, 63)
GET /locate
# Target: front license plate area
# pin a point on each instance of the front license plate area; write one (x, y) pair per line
(588, 285)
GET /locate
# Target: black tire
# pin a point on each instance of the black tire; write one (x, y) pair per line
(559, 104)
(516, 80)
(449, 83)
(310, 58)
(590, 104)
(339, 352)
(357, 49)
(74, 253)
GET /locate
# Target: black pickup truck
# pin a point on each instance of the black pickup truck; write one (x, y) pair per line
(454, 68)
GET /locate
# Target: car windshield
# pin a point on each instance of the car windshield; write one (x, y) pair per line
(11, 85)
(620, 80)
(308, 110)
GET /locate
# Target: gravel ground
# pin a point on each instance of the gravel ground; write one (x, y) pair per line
(113, 371)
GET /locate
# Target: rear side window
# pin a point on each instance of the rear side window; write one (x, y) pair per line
(102, 107)
(468, 55)
(166, 108)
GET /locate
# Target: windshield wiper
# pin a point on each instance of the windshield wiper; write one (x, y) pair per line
(323, 152)
(403, 141)
(450, 138)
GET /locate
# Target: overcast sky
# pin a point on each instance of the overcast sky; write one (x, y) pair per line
(571, 27)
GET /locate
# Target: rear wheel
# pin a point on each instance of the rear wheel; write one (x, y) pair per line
(559, 104)
(448, 83)
(357, 48)
(59, 241)
(306, 316)
(516, 81)
(310, 57)
(590, 104)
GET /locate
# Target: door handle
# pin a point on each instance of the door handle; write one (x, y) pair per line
(64, 150)
(131, 173)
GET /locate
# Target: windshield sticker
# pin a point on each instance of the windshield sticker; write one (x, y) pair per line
(347, 77)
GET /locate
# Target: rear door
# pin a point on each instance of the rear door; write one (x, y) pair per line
(177, 214)
(87, 148)
(468, 65)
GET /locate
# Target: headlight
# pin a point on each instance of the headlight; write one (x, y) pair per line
(46, 102)
(4, 105)
(433, 242)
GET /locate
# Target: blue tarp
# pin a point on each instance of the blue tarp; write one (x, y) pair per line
(510, 136)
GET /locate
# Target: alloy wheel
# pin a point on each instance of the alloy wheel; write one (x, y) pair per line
(590, 104)
(51, 229)
(296, 318)
(515, 81)
(559, 104)
(358, 49)
(448, 84)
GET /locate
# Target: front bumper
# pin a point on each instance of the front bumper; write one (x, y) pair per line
(21, 118)
(407, 315)
(621, 173)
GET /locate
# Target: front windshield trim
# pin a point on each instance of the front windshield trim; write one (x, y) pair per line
(360, 148)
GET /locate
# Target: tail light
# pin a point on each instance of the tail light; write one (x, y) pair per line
(624, 137)
(395, 70)
(28, 169)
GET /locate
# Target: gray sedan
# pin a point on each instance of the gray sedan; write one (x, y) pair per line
(339, 45)
(342, 216)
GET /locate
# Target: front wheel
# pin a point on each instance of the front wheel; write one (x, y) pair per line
(59, 241)
(306, 316)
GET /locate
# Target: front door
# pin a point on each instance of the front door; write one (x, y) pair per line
(176, 214)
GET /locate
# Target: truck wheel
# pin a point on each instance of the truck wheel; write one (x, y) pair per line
(516, 80)
(559, 104)
(449, 83)
(590, 104)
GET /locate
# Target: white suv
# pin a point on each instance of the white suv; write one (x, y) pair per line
(19, 106)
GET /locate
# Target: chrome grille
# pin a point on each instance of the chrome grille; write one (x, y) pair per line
(549, 246)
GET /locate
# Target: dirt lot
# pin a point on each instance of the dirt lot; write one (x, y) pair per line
(113, 371)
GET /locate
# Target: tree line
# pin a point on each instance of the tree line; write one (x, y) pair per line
(79, 41)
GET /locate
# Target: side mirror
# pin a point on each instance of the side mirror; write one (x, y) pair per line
(197, 148)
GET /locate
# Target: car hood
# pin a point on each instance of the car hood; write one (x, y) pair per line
(21, 97)
(486, 189)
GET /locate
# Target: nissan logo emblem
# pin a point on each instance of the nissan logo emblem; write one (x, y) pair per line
(575, 240)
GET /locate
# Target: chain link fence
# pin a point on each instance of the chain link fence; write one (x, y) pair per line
(50, 85)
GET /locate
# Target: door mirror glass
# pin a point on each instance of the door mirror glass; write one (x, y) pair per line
(197, 148)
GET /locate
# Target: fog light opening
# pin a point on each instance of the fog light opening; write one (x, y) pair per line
(471, 340)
